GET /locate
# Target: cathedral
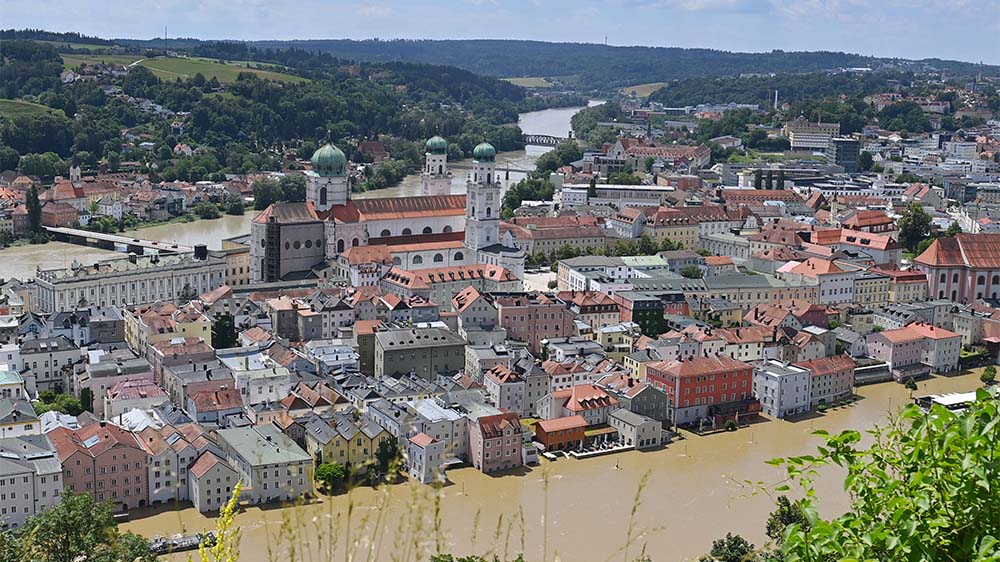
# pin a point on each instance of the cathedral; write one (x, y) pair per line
(330, 231)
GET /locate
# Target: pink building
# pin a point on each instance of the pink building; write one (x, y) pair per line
(532, 317)
(105, 461)
(495, 442)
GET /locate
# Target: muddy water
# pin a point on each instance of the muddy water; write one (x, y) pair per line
(693, 496)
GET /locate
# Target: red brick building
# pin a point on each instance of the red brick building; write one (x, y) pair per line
(59, 214)
(717, 388)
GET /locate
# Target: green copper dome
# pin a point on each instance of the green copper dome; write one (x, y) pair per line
(329, 160)
(437, 145)
(484, 152)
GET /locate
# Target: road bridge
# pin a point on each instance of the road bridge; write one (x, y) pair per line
(136, 245)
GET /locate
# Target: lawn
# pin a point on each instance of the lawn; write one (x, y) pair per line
(87, 46)
(643, 90)
(173, 67)
(17, 108)
(530, 82)
(73, 61)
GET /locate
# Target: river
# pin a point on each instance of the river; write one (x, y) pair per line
(694, 495)
(22, 261)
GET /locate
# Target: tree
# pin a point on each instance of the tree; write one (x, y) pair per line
(207, 210)
(733, 548)
(953, 229)
(293, 187)
(647, 246)
(866, 160)
(235, 206)
(8, 158)
(34, 209)
(914, 225)
(989, 375)
(922, 490)
(624, 178)
(87, 399)
(330, 474)
(80, 528)
(691, 272)
(592, 188)
(648, 164)
(910, 385)
(266, 191)
(668, 245)
(65, 403)
(788, 513)
(387, 455)
(224, 332)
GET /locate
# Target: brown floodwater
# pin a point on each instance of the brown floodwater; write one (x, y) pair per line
(694, 495)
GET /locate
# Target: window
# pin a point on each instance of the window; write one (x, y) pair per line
(438, 258)
(407, 232)
(385, 232)
(427, 230)
(417, 260)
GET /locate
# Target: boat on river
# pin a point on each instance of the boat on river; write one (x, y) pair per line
(181, 543)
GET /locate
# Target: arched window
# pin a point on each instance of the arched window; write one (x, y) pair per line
(954, 295)
(417, 260)
(340, 246)
(446, 228)
(996, 279)
(438, 258)
(397, 261)
(385, 232)
(428, 230)
(489, 211)
(407, 232)
(940, 294)
(981, 280)
(944, 277)
(354, 242)
(979, 295)
(440, 169)
(488, 178)
(459, 256)
(322, 196)
(954, 278)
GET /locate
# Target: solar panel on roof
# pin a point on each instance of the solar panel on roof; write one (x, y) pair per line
(90, 442)
(173, 438)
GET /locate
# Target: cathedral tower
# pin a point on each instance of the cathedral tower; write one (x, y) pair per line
(482, 207)
(435, 179)
(327, 184)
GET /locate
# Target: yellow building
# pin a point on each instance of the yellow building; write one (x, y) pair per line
(343, 440)
(151, 323)
(871, 289)
(667, 223)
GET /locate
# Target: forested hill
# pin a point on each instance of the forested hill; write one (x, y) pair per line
(604, 66)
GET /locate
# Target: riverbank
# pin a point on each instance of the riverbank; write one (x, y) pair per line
(694, 495)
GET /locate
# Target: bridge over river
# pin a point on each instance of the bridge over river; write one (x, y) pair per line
(109, 241)
(544, 140)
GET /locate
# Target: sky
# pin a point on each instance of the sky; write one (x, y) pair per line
(966, 30)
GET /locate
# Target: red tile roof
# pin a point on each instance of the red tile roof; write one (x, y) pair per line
(976, 251)
(827, 365)
(700, 366)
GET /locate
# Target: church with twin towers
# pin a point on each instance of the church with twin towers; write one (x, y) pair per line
(332, 234)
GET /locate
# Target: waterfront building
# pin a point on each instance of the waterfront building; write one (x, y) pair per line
(130, 281)
(705, 387)
(211, 482)
(782, 389)
(271, 466)
(962, 268)
(832, 378)
(434, 230)
(636, 430)
(916, 349)
(30, 478)
(495, 442)
(105, 461)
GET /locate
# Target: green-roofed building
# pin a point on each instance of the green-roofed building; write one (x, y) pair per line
(271, 466)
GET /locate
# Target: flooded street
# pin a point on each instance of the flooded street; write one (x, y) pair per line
(693, 496)
(23, 261)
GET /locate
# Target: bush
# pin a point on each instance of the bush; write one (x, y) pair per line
(730, 425)
(821, 408)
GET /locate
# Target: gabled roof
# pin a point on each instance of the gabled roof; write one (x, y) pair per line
(827, 365)
(977, 251)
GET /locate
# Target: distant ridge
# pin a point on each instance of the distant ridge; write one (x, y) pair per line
(583, 65)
